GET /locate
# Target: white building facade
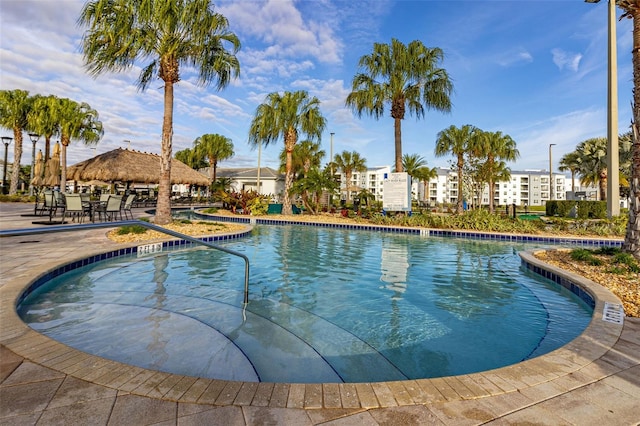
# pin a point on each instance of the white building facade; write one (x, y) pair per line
(528, 187)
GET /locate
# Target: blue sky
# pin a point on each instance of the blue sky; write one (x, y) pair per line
(535, 70)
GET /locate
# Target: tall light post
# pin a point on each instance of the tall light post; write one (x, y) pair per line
(550, 173)
(613, 153)
(331, 162)
(34, 138)
(6, 140)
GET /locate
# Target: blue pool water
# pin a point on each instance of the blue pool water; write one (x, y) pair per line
(326, 305)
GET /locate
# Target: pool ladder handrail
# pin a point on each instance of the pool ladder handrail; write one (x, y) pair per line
(64, 228)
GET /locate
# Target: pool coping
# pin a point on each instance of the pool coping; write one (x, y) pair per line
(568, 364)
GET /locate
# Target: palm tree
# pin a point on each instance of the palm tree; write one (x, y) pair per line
(494, 148)
(411, 163)
(14, 109)
(43, 121)
(631, 9)
(189, 157)
(456, 141)
(425, 174)
(77, 121)
(286, 116)
(214, 148)
(404, 77)
(350, 162)
(592, 156)
(570, 162)
(171, 34)
(306, 155)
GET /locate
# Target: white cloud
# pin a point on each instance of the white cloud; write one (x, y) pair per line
(564, 59)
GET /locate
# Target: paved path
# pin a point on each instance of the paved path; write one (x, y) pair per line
(595, 380)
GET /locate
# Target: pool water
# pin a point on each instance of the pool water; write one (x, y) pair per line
(325, 305)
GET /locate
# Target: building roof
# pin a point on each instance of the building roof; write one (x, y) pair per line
(250, 173)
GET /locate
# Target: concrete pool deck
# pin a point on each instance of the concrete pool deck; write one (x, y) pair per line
(595, 379)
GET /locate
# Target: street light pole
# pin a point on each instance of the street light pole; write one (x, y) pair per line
(331, 162)
(34, 138)
(550, 173)
(613, 153)
(6, 140)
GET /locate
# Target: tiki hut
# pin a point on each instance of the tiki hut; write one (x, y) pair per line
(124, 165)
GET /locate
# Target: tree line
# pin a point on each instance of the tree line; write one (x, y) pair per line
(48, 116)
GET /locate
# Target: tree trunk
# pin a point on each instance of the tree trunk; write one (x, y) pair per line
(347, 176)
(491, 195)
(63, 164)
(17, 156)
(397, 123)
(632, 237)
(163, 206)
(289, 143)
(459, 208)
(602, 184)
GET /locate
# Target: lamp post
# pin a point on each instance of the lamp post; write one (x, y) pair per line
(613, 179)
(550, 173)
(331, 162)
(6, 140)
(34, 138)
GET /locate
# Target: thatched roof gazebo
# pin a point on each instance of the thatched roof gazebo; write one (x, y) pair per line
(124, 165)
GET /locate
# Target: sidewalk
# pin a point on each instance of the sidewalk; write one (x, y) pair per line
(594, 380)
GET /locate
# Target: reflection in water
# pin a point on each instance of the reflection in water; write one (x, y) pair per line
(394, 265)
(158, 343)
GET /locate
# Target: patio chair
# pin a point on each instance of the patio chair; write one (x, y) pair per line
(49, 204)
(126, 207)
(113, 207)
(75, 208)
(60, 202)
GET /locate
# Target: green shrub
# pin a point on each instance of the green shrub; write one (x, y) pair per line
(608, 250)
(131, 229)
(210, 210)
(581, 254)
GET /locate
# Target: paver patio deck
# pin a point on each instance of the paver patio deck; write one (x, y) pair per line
(593, 380)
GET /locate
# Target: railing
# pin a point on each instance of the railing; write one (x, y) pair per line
(65, 228)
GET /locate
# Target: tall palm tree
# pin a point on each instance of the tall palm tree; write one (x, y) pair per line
(631, 9)
(402, 77)
(43, 121)
(14, 109)
(214, 148)
(570, 162)
(456, 141)
(350, 162)
(170, 34)
(286, 116)
(425, 174)
(495, 148)
(77, 121)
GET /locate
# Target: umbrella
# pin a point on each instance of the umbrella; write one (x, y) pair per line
(53, 167)
(37, 170)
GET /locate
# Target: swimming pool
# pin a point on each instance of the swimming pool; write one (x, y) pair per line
(326, 305)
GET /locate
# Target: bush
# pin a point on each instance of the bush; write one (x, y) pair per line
(131, 229)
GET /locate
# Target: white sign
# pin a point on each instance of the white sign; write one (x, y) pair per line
(149, 249)
(396, 194)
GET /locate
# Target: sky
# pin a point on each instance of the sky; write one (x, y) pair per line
(534, 70)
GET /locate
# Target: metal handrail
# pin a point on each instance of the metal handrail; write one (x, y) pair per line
(64, 228)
